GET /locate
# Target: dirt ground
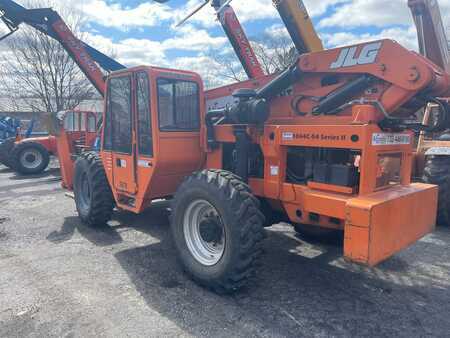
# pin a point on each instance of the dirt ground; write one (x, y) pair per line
(59, 278)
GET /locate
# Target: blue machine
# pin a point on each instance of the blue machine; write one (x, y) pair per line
(9, 127)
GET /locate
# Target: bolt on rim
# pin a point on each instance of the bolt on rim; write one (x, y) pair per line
(31, 159)
(204, 232)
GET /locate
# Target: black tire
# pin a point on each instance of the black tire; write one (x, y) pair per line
(30, 158)
(437, 171)
(93, 197)
(241, 222)
(6, 148)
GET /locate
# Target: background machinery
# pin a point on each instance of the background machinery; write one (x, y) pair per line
(299, 25)
(327, 142)
(433, 149)
(22, 152)
(235, 33)
(292, 12)
(10, 129)
(31, 156)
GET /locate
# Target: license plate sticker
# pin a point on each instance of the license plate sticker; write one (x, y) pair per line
(386, 139)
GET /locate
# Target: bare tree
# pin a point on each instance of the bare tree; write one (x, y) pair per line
(228, 66)
(38, 71)
(275, 53)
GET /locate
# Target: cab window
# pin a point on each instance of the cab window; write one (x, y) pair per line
(118, 123)
(178, 105)
(145, 141)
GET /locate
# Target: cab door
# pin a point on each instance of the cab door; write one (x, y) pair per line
(120, 112)
(144, 127)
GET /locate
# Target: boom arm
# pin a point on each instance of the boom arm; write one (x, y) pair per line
(238, 39)
(430, 30)
(50, 23)
(296, 19)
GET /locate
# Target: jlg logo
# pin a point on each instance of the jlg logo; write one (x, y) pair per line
(348, 57)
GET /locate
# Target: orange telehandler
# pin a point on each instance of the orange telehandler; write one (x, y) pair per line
(327, 142)
(32, 155)
(332, 152)
(25, 154)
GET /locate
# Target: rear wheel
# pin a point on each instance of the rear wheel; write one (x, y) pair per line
(437, 171)
(93, 196)
(217, 229)
(30, 158)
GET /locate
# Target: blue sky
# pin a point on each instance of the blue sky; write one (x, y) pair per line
(143, 32)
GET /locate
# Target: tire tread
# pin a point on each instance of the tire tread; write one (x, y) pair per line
(247, 210)
(437, 171)
(102, 199)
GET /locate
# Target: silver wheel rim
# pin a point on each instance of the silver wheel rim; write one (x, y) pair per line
(31, 158)
(204, 232)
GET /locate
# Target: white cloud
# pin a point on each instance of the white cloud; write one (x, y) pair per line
(130, 52)
(147, 14)
(277, 31)
(249, 10)
(190, 38)
(150, 13)
(133, 51)
(317, 8)
(406, 37)
(378, 13)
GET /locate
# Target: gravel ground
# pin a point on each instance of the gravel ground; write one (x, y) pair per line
(60, 278)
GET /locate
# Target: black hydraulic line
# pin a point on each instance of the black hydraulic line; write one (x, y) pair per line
(340, 96)
(441, 124)
(280, 83)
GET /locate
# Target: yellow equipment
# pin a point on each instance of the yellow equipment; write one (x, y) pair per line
(299, 25)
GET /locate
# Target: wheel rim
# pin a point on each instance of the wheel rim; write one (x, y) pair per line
(204, 232)
(31, 158)
(85, 191)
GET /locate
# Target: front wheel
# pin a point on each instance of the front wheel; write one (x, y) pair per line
(93, 196)
(30, 158)
(217, 229)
